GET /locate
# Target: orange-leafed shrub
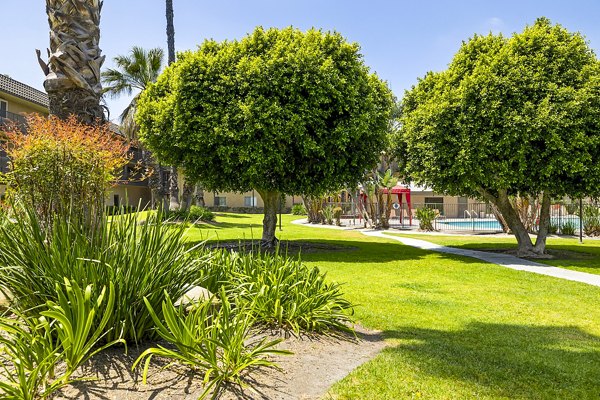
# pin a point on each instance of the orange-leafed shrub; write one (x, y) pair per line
(63, 167)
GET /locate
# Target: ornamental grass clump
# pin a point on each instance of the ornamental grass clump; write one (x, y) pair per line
(281, 292)
(141, 260)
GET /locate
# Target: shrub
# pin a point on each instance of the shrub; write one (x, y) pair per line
(141, 260)
(572, 208)
(63, 167)
(213, 340)
(298, 209)
(195, 213)
(283, 293)
(568, 228)
(426, 216)
(327, 213)
(552, 228)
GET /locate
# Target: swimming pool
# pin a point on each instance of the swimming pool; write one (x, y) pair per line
(489, 224)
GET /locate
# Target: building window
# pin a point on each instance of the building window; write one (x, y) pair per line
(249, 201)
(3, 108)
(220, 201)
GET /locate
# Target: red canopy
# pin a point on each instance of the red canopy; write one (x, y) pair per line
(399, 190)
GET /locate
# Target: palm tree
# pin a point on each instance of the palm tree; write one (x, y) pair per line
(74, 59)
(134, 73)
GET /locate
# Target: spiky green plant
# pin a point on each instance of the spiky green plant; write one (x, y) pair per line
(282, 292)
(212, 340)
(142, 260)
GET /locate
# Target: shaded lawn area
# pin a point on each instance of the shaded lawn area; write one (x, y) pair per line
(568, 252)
(458, 328)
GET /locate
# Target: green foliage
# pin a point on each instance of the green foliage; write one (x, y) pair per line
(281, 292)
(141, 260)
(77, 330)
(327, 213)
(28, 358)
(337, 215)
(195, 213)
(517, 114)
(591, 220)
(279, 111)
(212, 340)
(568, 228)
(31, 346)
(298, 209)
(426, 216)
(552, 228)
(572, 208)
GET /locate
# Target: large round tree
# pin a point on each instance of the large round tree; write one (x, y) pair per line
(280, 112)
(510, 116)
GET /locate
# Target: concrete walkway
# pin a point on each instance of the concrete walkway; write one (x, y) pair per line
(505, 260)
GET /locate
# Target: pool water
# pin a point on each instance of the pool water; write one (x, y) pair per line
(480, 224)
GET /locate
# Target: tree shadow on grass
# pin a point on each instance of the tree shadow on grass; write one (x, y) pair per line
(512, 361)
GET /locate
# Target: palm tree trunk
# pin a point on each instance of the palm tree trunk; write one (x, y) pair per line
(174, 203)
(73, 69)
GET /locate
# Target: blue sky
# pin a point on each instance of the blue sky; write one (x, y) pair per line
(400, 40)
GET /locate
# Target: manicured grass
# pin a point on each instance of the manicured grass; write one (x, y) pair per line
(457, 328)
(568, 252)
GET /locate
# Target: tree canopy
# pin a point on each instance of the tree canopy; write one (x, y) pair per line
(279, 111)
(517, 115)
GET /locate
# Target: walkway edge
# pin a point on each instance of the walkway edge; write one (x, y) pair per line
(504, 260)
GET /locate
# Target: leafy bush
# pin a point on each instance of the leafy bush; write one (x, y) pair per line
(141, 261)
(426, 216)
(195, 213)
(568, 228)
(572, 208)
(552, 228)
(298, 209)
(591, 220)
(118, 210)
(282, 292)
(213, 340)
(64, 167)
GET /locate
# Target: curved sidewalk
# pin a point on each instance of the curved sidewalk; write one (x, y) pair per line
(505, 260)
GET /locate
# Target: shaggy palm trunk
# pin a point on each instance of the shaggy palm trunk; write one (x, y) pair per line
(74, 59)
(271, 203)
(187, 195)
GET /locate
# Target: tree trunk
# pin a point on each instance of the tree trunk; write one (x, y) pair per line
(170, 32)
(540, 241)
(74, 60)
(502, 201)
(187, 195)
(271, 204)
(199, 196)
(174, 203)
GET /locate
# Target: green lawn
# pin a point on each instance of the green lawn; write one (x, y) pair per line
(458, 328)
(568, 252)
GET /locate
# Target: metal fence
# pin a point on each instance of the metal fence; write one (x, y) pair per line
(478, 217)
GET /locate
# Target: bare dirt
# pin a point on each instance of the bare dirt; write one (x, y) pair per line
(316, 364)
